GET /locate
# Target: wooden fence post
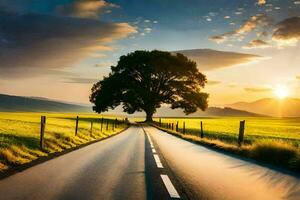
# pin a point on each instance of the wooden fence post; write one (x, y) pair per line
(183, 128)
(42, 132)
(91, 132)
(106, 124)
(201, 133)
(241, 132)
(177, 126)
(160, 122)
(101, 124)
(113, 125)
(76, 127)
(172, 126)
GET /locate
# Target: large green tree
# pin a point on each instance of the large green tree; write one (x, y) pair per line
(144, 80)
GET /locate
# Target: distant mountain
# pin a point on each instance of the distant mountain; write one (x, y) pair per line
(9, 103)
(289, 107)
(211, 111)
(165, 111)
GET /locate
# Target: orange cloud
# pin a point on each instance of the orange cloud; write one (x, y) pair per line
(261, 2)
(85, 8)
(253, 44)
(251, 24)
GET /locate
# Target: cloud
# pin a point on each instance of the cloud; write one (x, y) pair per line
(104, 64)
(81, 80)
(254, 44)
(208, 59)
(253, 23)
(148, 30)
(218, 38)
(232, 85)
(85, 8)
(287, 32)
(32, 44)
(258, 89)
(261, 2)
(213, 82)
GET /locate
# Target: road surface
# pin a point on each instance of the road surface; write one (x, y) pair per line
(148, 164)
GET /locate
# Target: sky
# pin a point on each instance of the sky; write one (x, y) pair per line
(248, 49)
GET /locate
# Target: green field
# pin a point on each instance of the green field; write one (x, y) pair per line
(257, 129)
(274, 141)
(20, 134)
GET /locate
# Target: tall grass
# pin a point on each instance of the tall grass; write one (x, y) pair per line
(20, 132)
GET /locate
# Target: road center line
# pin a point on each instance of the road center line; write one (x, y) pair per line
(171, 189)
(149, 138)
(157, 161)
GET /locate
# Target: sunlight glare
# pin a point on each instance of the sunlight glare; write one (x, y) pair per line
(281, 92)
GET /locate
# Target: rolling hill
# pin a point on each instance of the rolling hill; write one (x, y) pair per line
(289, 107)
(165, 111)
(211, 111)
(9, 103)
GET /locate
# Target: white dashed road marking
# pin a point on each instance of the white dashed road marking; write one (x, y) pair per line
(166, 180)
(171, 189)
(157, 160)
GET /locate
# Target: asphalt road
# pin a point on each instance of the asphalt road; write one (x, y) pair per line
(207, 174)
(148, 164)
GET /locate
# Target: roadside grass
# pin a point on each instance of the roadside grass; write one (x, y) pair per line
(272, 141)
(286, 130)
(20, 134)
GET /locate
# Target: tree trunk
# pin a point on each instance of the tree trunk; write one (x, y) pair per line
(149, 117)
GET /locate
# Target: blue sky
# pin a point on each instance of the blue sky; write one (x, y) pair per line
(67, 45)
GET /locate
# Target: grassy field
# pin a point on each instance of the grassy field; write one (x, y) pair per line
(272, 140)
(20, 134)
(257, 129)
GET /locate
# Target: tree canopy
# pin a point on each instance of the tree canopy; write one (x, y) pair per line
(144, 80)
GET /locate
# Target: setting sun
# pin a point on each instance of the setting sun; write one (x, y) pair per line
(281, 92)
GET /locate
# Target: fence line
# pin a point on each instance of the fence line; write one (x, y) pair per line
(109, 123)
(240, 134)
